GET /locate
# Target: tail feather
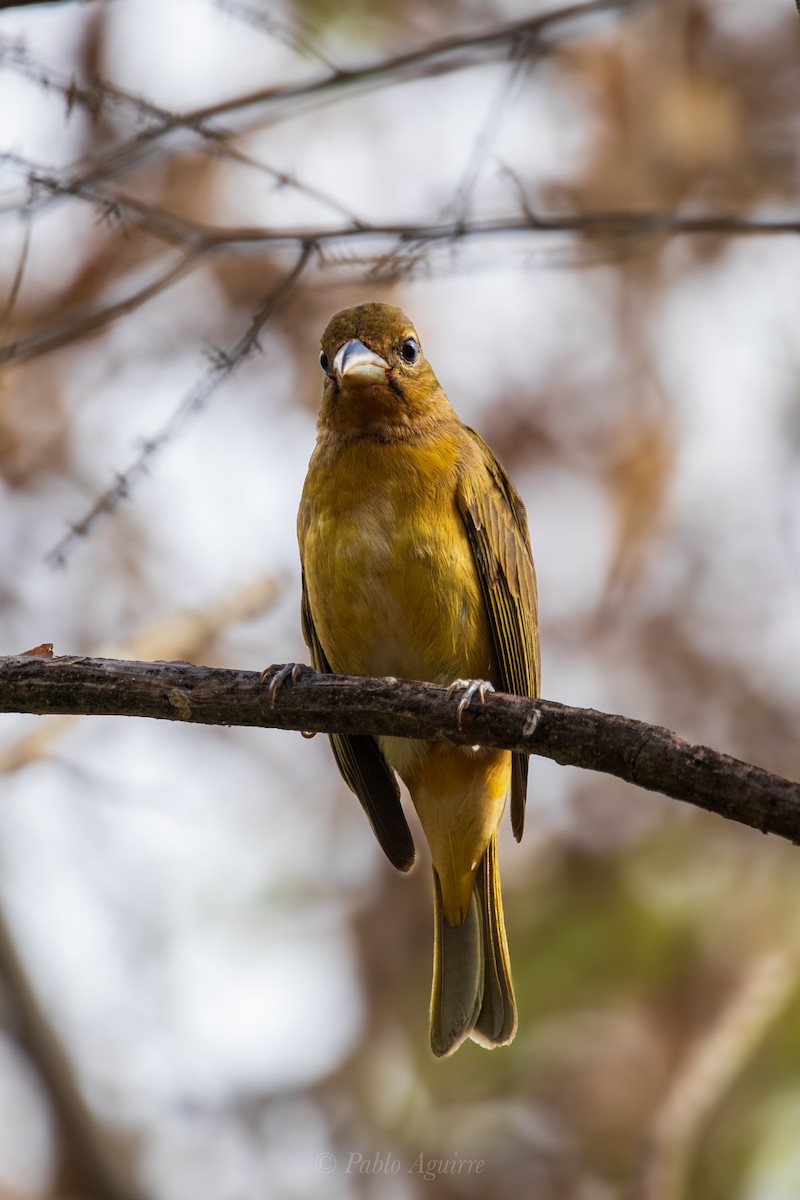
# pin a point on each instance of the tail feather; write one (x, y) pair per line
(472, 994)
(497, 1021)
(457, 991)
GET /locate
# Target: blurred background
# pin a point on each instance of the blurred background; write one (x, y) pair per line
(211, 983)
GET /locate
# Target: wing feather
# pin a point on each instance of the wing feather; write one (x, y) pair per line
(497, 528)
(365, 770)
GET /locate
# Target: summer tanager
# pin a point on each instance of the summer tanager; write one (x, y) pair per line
(417, 563)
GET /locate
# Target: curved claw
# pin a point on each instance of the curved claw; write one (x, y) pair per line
(279, 678)
(481, 686)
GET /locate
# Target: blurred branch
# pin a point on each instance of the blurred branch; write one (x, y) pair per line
(718, 1058)
(437, 58)
(42, 185)
(16, 282)
(200, 240)
(91, 1164)
(88, 321)
(295, 34)
(646, 755)
(223, 364)
(29, 3)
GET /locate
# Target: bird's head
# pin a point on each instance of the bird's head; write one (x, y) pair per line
(378, 383)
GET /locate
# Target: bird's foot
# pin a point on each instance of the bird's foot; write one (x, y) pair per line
(277, 677)
(481, 686)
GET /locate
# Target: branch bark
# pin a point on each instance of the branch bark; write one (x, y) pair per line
(646, 755)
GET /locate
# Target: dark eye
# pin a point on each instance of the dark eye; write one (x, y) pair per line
(410, 350)
(323, 360)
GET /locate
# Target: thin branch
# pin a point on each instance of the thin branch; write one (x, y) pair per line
(223, 365)
(43, 185)
(297, 35)
(162, 224)
(646, 755)
(16, 282)
(438, 58)
(611, 223)
(286, 179)
(403, 260)
(87, 321)
(202, 239)
(460, 205)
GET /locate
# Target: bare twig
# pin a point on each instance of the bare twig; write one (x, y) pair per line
(437, 58)
(16, 282)
(611, 223)
(403, 259)
(300, 38)
(202, 240)
(442, 57)
(646, 755)
(223, 365)
(91, 320)
(169, 227)
(459, 206)
(42, 185)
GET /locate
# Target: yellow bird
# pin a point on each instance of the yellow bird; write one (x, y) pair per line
(417, 563)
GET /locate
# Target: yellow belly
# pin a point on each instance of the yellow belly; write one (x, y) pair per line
(390, 574)
(394, 590)
(459, 795)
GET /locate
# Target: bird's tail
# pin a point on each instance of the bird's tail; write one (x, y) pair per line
(472, 993)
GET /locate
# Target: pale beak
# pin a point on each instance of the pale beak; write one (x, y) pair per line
(354, 358)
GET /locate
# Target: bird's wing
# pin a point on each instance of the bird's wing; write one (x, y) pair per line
(365, 770)
(497, 527)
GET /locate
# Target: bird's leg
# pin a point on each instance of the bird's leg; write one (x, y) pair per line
(281, 675)
(481, 686)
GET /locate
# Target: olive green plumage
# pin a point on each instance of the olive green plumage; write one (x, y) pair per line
(417, 563)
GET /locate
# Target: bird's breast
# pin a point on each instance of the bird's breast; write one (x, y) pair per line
(392, 582)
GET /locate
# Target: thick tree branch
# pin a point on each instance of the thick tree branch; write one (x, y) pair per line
(646, 755)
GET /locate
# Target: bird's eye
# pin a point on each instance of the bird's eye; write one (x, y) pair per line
(323, 360)
(410, 350)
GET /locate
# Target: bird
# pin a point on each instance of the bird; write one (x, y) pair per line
(416, 563)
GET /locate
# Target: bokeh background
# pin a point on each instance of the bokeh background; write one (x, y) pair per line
(210, 981)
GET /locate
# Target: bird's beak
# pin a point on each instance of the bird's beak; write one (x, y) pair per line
(354, 358)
